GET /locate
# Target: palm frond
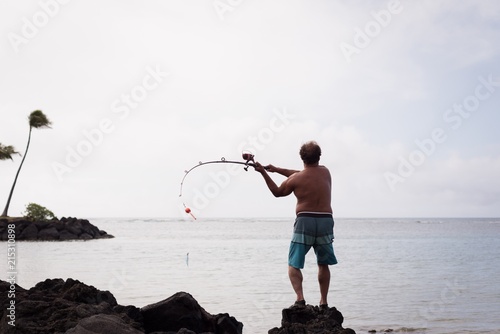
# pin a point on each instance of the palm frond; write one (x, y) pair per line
(6, 152)
(38, 120)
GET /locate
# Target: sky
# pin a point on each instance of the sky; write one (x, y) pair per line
(402, 97)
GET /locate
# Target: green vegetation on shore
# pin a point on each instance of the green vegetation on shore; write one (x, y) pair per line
(37, 212)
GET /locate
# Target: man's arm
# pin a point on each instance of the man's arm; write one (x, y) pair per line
(282, 171)
(285, 189)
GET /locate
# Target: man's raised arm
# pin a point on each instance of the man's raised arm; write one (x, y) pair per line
(283, 171)
(284, 189)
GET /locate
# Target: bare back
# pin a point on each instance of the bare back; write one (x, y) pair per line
(313, 188)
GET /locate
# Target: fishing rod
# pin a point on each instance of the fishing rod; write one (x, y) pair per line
(249, 162)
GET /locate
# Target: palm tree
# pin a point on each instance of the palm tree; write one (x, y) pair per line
(6, 152)
(37, 120)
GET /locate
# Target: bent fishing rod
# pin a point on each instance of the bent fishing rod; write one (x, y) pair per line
(249, 162)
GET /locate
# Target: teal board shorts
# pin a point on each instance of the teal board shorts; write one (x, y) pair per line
(315, 230)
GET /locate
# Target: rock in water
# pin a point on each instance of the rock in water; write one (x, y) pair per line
(51, 230)
(311, 320)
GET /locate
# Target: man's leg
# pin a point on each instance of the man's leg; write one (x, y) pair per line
(296, 280)
(324, 282)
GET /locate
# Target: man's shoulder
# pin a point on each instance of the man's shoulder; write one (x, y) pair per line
(324, 168)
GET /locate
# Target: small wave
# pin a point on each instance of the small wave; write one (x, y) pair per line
(399, 330)
(435, 221)
(410, 330)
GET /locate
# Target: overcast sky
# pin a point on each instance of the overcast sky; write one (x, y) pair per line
(402, 96)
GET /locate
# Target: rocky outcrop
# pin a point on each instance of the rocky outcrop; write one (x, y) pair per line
(72, 307)
(56, 306)
(51, 230)
(311, 320)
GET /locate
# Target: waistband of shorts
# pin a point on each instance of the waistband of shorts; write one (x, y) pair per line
(315, 214)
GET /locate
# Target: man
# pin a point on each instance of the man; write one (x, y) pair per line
(313, 226)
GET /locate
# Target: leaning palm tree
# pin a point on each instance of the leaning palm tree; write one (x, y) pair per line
(37, 119)
(6, 152)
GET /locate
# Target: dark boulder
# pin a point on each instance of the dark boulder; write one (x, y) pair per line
(103, 324)
(58, 225)
(67, 235)
(182, 311)
(76, 291)
(85, 236)
(50, 233)
(311, 320)
(89, 228)
(30, 232)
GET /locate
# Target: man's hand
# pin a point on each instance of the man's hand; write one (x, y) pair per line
(259, 168)
(271, 168)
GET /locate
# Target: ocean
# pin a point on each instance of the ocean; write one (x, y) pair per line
(417, 275)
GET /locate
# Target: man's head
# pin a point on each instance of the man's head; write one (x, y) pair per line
(310, 153)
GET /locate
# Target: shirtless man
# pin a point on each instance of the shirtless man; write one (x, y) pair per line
(313, 226)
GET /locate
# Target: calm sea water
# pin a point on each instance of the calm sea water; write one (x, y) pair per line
(409, 275)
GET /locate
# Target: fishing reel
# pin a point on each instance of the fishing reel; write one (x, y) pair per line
(248, 157)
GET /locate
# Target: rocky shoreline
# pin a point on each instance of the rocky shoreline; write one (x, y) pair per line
(72, 307)
(63, 229)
